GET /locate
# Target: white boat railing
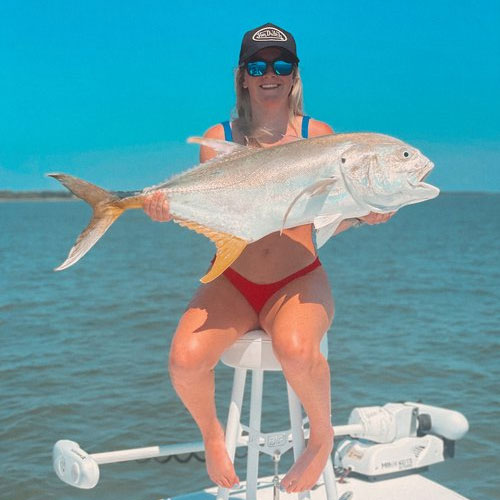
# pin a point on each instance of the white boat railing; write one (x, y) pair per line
(397, 425)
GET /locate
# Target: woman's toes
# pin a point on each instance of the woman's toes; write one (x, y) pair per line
(223, 482)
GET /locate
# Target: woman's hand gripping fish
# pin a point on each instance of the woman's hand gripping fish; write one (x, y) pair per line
(247, 193)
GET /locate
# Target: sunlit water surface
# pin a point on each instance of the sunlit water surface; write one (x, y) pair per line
(83, 352)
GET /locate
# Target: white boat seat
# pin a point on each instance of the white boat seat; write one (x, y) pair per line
(253, 351)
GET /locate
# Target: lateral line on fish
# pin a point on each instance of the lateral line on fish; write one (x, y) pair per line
(172, 184)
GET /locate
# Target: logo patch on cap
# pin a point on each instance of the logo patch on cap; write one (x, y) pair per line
(269, 34)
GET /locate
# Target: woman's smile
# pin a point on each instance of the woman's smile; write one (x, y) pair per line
(267, 86)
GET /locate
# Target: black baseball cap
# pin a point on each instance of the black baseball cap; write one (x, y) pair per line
(267, 35)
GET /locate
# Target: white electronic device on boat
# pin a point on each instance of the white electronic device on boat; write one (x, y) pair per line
(397, 438)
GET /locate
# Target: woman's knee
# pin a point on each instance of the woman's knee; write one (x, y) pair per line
(295, 349)
(190, 356)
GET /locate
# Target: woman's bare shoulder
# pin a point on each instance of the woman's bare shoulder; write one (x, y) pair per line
(319, 128)
(214, 132)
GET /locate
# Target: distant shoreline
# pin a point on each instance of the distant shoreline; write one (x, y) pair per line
(7, 195)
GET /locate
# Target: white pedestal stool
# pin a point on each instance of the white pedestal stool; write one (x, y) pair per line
(254, 352)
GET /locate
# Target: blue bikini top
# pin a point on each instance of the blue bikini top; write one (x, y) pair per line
(228, 133)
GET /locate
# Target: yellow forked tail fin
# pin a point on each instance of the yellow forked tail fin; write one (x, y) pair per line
(107, 208)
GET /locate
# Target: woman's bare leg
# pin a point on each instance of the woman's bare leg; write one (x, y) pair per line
(297, 318)
(216, 317)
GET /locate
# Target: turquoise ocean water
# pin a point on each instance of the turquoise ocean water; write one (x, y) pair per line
(83, 352)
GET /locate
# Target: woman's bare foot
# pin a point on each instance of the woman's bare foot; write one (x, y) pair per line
(219, 466)
(305, 472)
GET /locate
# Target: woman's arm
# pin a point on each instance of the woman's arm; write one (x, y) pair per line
(371, 219)
(374, 218)
(215, 132)
(317, 128)
(346, 224)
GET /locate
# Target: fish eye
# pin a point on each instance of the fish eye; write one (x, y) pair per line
(342, 160)
(406, 154)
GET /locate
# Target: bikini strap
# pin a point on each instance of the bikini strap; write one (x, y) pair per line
(305, 126)
(228, 133)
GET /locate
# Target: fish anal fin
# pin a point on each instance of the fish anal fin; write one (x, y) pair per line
(227, 253)
(229, 247)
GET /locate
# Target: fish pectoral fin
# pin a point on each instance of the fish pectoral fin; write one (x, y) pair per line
(324, 220)
(218, 145)
(325, 226)
(319, 187)
(229, 247)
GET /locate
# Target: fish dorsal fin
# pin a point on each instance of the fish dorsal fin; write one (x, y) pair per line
(229, 247)
(292, 138)
(220, 146)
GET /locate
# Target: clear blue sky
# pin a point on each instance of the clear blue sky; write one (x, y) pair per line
(109, 90)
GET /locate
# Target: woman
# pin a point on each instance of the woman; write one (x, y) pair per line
(295, 305)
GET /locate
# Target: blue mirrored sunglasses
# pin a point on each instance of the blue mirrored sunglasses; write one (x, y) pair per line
(259, 68)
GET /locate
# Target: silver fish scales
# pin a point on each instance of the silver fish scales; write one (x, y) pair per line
(247, 193)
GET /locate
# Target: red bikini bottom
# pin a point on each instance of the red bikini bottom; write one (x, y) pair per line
(258, 294)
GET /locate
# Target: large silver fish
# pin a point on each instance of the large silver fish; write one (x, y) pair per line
(247, 193)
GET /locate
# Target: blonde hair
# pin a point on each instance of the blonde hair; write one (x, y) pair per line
(243, 110)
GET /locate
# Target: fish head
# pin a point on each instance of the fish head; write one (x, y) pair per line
(385, 174)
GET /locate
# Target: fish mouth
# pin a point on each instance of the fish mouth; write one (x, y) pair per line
(418, 180)
(426, 171)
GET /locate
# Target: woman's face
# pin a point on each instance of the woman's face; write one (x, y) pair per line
(269, 88)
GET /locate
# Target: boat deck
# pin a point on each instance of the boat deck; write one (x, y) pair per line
(410, 487)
